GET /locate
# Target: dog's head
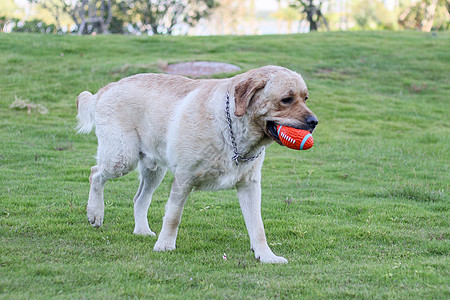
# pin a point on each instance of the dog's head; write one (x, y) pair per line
(273, 95)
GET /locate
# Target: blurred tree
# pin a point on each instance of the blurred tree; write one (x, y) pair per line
(8, 8)
(164, 16)
(34, 26)
(372, 14)
(229, 15)
(55, 7)
(288, 15)
(7, 15)
(313, 11)
(92, 15)
(6, 23)
(89, 15)
(426, 15)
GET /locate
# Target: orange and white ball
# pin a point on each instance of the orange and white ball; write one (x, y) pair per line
(294, 138)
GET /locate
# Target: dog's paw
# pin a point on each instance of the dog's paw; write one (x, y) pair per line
(163, 246)
(273, 260)
(270, 258)
(95, 218)
(143, 231)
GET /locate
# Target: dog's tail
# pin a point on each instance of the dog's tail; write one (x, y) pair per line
(86, 103)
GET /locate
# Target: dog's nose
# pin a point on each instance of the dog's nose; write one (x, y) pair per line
(312, 121)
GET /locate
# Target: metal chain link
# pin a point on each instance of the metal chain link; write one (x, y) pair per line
(237, 157)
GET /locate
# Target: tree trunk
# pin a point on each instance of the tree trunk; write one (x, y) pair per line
(430, 12)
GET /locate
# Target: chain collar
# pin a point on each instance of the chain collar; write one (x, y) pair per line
(236, 157)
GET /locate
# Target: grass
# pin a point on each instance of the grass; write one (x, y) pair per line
(363, 214)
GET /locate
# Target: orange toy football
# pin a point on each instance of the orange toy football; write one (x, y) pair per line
(294, 138)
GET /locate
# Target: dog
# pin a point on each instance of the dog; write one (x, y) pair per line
(210, 133)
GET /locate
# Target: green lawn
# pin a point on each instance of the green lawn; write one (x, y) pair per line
(363, 214)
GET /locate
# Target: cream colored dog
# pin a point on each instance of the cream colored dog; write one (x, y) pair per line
(210, 133)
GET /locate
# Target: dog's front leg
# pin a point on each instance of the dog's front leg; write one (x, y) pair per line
(181, 187)
(249, 194)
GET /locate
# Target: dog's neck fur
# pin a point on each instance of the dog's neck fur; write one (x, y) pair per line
(247, 144)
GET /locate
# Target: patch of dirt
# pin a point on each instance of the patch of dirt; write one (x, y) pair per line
(197, 69)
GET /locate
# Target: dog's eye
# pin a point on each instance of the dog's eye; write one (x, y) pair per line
(306, 98)
(287, 100)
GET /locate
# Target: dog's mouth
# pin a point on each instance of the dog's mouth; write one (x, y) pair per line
(271, 131)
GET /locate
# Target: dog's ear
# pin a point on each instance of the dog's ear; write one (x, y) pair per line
(245, 90)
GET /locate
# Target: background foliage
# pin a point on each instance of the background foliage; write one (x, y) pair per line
(179, 17)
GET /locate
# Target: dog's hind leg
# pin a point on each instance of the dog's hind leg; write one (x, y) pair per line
(96, 207)
(150, 180)
(117, 155)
